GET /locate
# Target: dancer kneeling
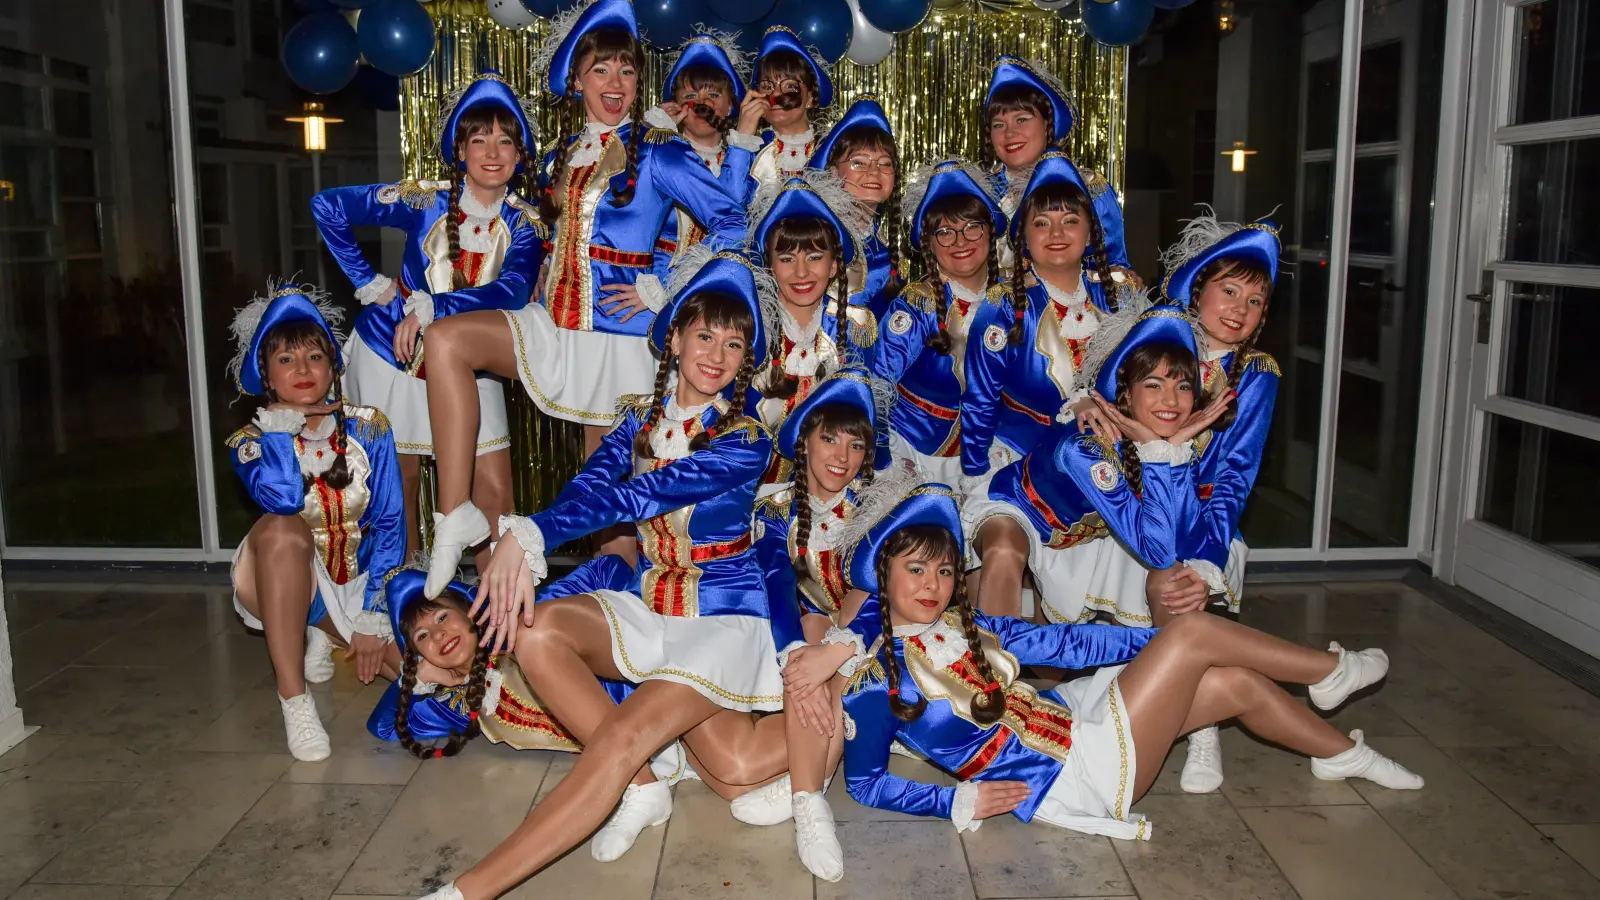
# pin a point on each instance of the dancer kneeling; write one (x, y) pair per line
(944, 680)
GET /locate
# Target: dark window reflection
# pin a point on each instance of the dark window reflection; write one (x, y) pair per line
(1379, 94)
(1550, 347)
(1372, 204)
(1543, 485)
(1553, 35)
(1552, 218)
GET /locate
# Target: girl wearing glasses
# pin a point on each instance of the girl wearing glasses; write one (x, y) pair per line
(792, 87)
(954, 221)
(860, 150)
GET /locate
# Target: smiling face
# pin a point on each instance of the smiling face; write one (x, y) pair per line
(608, 79)
(709, 354)
(442, 634)
(919, 578)
(865, 160)
(837, 444)
(489, 150)
(802, 256)
(299, 364)
(1019, 132)
(960, 246)
(783, 72)
(1232, 302)
(1161, 395)
(705, 86)
(1056, 240)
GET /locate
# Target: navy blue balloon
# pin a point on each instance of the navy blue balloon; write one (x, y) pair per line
(667, 23)
(545, 8)
(396, 36)
(741, 12)
(380, 91)
(823, 24)
(895, 15)
(1116, 23)
(1170, 4)
(320, 53)
(750, 33)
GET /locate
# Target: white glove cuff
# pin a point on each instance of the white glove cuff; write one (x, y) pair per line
(284, 421)
(845, 637)
(531, 540)
(1208, 570)
(651, 292)
(965, 806)
(373, 622)
(420, 304)
(744, 141)
(374, 290)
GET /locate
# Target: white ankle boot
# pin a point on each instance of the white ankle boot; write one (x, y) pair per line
(766, 805)
(1362, 761)
(1202, 771)
(308, 740)
(1356, 670)
(319, 655)
(448, 892)
(815, 836)
(464, 527)
(643, 806)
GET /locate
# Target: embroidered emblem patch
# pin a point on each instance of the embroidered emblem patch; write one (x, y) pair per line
(389, 193)
(1104, 476)
(249, 451)
(900, 322)
(994, 337)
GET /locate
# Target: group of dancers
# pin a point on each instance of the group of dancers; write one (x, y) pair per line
(825, 493)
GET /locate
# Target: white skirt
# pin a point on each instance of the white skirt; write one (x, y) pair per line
(1073, 583)
(940, 469)
(1094, 792)
(342, 602)
(578, 375)
(369, 380)
(729, 659)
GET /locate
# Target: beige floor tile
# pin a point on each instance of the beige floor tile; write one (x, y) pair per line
(1568, 717)
(1476, 843)
(1371, 714)
(1545, 785)
(451, 813)
(1258, 774)
(39, 819)
(30, 606)
(1581, 842)
(294, 844)
(1342, 853)
(358, 757)
(160, 832)
(1010, 858)
(254, 724)
(54, 644)
(913, 858)
(90, 892)
(1447, 712)
(49, 756)
(710, 854)
(846, 809)
(1200, 848)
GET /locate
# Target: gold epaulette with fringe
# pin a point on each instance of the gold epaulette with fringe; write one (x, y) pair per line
(870, 672)
(776, 506)
(659, 136)
(1095, 182)
(413, 193)
(370, 422)
(247, 433)
(530, 216)
(1262, 361)
(921, 296)
(999, 295)
(741, 424)
(636, 403)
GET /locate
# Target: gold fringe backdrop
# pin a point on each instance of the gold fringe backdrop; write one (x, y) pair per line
(931, 85)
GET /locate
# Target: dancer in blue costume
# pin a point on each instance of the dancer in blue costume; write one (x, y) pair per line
(615, 184)
(922, 349)
(694, 630)
(792, 89)
(946, 681)
(1027, 112)
(860, 149)
(332, 524)
(472, 243)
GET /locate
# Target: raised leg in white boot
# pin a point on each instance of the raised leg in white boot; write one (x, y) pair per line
(464, 527)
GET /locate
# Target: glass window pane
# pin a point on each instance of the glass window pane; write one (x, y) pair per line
(1317, 219)
(21, 106)
(1379, 93)
(1558, 62)
(1322, 103)
(1552, 216)
(95, 443)
(1543, 485)
(74, 113)
(1549, 341)
(1372, 205)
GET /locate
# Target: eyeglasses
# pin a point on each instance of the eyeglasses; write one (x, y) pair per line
(866, 164)
(972, 232)
(788, 86)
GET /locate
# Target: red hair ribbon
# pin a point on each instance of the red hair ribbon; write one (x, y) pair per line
(894, 692)
(991, 686)
(472, 716)
(438, 753)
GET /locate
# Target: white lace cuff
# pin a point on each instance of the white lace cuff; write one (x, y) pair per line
(964, 806)
(656, 117)
(285, 421)
(651, 292)
(420, 304)
(1208, 570)
(531, 540)
(845, 637)
(373, 622)
(744, 141)
(1066, 416)
(783, 655)
(1159, 451)
(374, 290)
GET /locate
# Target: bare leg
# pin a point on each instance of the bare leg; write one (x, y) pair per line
(621, 540)
(411, 495)
(273, 581)
(1003, 547)
(812, 754)
(455, 348)
(655, 714)
(491, 492)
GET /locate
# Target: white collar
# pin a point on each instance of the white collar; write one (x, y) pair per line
(596, 129)
(803, 335)
(960, 292)
(1078, 297)
(826, 504)
(469, 204)
(916, 629)
(1214, 355)
(320, 432)
(683, 414)
(709, 154)
(803, 138)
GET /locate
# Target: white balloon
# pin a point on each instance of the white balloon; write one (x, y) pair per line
(511, 14)
(1052, 5)
(868, 45)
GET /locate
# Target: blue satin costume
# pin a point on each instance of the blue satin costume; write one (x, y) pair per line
(1107, 206)
(764, 168)
(869, 277)
(777, 525)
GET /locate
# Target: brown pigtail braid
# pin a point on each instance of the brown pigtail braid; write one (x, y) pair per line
(905, 712)
(939, 340)
(1131, 469)
(802, 507)
(988, 704)
(1101, 259)
(402, 716)
(994, 258)
(1019, 292)
(635, 136)
(452, 230)
(1241, 359)
(641, 440)
(841, 322)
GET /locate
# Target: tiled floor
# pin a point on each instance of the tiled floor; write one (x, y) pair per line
(160, 772)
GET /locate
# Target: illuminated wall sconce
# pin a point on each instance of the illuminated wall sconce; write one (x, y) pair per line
(8, 189)
(1226, 19)
(316, 126)
(1238, 153)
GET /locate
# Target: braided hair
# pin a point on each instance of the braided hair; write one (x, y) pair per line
(603, 45)
(294, 335)
(1058, 198)
(1016, 98)
(949, 212)
(832, 419)
(806, 235)
(700, 77)
(717, 311)
(473, 122)
(1138, 365)
(477, 681)
(867, 138)
(1246, 270)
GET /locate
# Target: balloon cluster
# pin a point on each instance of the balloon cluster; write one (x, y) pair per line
(324, 50)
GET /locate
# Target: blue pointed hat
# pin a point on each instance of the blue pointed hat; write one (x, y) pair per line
(728, 272)
(923, 504)
(1052, 168)
(1158, 323)
(488, 89)
(778, 37)
(1256, 242)
(798, 199)
(283, 303)
(405, 588)
(950, 178)
(850, 386)
(555, 57)
(1012, 71)
(864, 113)
(706, 50)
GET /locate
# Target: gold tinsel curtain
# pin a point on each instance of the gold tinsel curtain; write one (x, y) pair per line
(931, 85)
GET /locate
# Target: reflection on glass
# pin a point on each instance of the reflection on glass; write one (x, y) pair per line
(1379, 93)
(1558, 74)
(1322, 103)
(1317, 220)
(1550, 333)
(95, 444)
(1312, 309)
(1372, 204)
(1552, 216)
(1543, 485)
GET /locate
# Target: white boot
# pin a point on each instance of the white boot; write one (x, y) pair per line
(1202, 771)
(319, 655)
(448, 892)
(464, 527)
(1356, 670)
(308, 740)
(816, 838)
(1362, 761)
(766, 805)
(643, 806)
